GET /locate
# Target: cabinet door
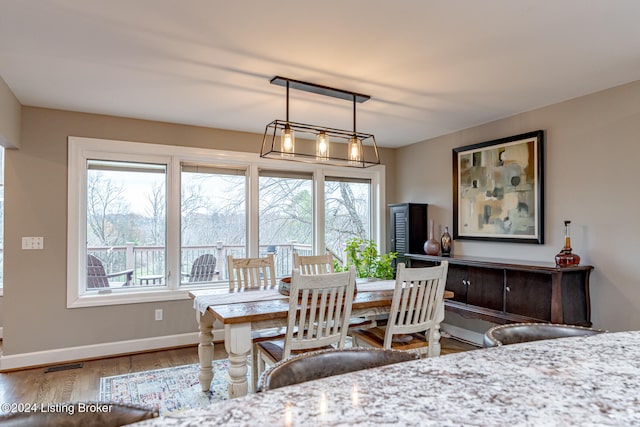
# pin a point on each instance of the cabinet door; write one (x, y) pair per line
(575, 298)
(398, 231)
(457, 282)
(486, 288)
(528, 294)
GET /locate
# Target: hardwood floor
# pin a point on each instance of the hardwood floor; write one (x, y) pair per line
(83, 384)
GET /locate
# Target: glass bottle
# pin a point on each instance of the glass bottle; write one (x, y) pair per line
(445, 242)
(566, 257)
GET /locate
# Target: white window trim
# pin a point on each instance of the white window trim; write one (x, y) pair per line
(81, 149)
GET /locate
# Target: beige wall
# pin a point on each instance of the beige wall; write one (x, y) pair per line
(36, 317)
(592, 149)
(9, 117)
(10, 113)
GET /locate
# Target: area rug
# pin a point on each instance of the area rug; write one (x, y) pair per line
(169, 390)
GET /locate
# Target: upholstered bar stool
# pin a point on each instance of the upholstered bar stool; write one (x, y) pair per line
(80, 414)
(524, 332)
(326, 363)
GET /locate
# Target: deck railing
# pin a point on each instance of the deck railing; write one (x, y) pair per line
(149, 261)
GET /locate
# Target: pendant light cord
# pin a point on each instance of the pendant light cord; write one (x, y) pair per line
(287, 101)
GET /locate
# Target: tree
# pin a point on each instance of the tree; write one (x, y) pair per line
(156, 211)
(285, 210)
(104, 202)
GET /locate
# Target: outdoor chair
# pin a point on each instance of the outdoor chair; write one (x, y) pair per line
(98, 278)
(203, 269)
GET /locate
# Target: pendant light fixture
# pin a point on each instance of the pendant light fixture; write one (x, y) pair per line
(289, 140)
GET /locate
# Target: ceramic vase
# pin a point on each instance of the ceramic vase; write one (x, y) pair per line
(431, 246)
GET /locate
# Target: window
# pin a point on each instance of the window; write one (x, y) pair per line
(285, 217)
(348, 211)
(126, 224)
(158, 225)
(213, 221)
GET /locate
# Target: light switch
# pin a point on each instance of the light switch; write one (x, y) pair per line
(32, 243)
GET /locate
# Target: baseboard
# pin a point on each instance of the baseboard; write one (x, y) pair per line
(96, 351)
(463, 334)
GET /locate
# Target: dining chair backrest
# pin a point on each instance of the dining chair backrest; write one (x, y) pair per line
(319, 315)
(417, 300)
(313, 264)
(247, 273)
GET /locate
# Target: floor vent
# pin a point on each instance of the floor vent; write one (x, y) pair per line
(63, 367)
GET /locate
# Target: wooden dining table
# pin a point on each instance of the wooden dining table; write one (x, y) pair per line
(243, 311)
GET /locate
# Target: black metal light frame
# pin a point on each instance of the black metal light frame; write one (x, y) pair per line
(305, 147)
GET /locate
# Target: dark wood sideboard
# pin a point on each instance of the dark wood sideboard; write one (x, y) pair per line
(506, 291)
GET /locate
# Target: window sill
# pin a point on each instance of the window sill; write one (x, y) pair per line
(119, 298)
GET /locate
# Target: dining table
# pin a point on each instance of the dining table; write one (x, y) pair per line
(241, 311)
(575, 381)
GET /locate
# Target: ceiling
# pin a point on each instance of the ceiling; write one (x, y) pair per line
(431, 67)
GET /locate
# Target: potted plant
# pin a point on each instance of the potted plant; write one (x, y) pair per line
(363, 254)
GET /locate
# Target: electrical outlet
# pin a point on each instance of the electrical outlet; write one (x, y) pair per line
(158, 314)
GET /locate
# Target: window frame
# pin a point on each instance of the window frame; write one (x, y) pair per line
(81, 149)
(2, 186)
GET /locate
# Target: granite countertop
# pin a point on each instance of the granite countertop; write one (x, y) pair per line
(579, 381)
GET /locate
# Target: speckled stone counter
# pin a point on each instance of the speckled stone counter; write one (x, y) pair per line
(580, 381)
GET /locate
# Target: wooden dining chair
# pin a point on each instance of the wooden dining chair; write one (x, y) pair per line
(416, 311)
(245, 273)
(319, 310)
(255, 273)
(322, 264)
(313, 264)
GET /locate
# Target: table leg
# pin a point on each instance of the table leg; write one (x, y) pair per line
(237, 342)
(205, 349)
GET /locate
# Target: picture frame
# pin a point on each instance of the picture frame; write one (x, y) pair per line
(498, 190)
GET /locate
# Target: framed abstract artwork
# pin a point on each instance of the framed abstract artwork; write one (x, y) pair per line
(498, 191)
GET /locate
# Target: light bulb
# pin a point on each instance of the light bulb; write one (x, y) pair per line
(322, 146)
(355, 150)
(288, 142)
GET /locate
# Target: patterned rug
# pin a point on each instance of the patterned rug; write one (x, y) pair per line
(169, 390)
